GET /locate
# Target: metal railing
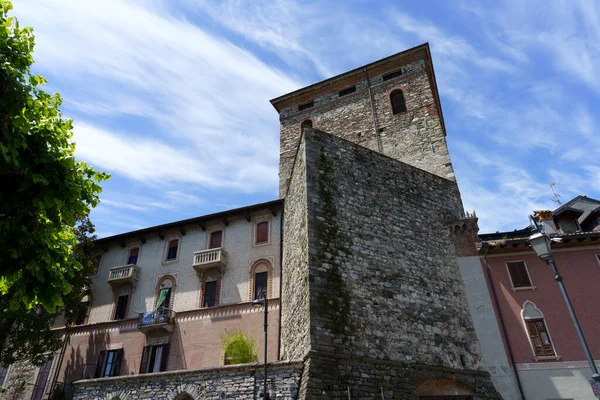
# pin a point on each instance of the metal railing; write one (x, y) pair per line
(161, 316)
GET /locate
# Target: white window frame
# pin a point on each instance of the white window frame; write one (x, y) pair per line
(512, 285)
(255, 231)
(556, 357)
(166, 250)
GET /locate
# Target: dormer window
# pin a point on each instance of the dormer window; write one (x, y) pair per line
(568, 225)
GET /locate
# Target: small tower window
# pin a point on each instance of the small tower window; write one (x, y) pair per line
(306, 123)
(398, 103)
(306, 106)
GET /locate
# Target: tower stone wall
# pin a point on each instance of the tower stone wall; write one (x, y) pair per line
(416, 137)
(380, 274)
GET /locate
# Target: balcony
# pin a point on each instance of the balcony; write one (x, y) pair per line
(162, 319)
(124, 275)
(212, 258)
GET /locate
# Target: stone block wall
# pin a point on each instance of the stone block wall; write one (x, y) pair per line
(416, 137)
(383, 277)
(243, 382)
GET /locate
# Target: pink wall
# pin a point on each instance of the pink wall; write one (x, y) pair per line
(581, 275)
(194, 343)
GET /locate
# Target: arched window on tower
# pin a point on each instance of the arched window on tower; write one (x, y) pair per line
(398, 103)
(306, 123)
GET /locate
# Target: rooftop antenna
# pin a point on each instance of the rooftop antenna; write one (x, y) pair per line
(556, 195)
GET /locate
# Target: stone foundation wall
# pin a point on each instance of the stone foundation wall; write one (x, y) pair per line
(241, 382)
(20, 381)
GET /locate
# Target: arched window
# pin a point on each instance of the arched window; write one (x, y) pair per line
(183, 396)
(210, 290)
(261, 276)
(306, 123)
(537, 331)
(165, 293)
(397, 100)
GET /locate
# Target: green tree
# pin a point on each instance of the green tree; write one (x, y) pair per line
(44, 191)
(238, 348)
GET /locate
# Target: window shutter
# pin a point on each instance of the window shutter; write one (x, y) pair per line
(116, 370)
(216, 239)
(164, 357)
(144, 362)
(100, 363)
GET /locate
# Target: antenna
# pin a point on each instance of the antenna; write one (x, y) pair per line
(556, 195)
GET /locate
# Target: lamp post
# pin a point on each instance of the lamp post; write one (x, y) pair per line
(542, 245)
(261, 300)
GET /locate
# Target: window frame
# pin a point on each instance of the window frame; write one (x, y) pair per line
(166, 250)
(158, 288)
(209, 238)
(542, 318)
(510, 278)
(116, 305)
(119, 354)
(255, 232)
(562, 230)
(128, 254)
(147, 356)
(269, 270)
(391, 103)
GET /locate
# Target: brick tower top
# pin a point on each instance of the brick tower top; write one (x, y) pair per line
(391, 106)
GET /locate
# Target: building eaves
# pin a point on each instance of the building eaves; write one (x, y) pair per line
(273, 206)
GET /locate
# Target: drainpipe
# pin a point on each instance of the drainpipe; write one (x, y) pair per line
(60, 361)
(373, 112)
(280, 278)
(504, 331)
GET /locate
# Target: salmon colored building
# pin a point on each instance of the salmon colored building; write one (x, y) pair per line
(541, 344)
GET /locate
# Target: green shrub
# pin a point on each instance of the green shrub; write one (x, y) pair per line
(238, 348)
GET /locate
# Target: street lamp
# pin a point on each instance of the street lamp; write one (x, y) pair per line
(261, 300)
(542, 245)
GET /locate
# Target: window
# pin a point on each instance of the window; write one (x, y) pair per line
(154, 359)
(306, 105)
(519, 276)
(133, 256)
(216, 240)
(568, 225)
(262, 232)
(3, 374)
(121, 308)
(82, 314)
(97, 261)
(347, 91)
(41, 380)
(540, 339)
(537, 331)
(172, 247)
(260, 281)
(398, 103)
(109, 363)
(210, 293)
(164, 295)
(307, 122)
(392, 75)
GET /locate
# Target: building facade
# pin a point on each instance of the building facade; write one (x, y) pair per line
(360, 266)
(541, 347)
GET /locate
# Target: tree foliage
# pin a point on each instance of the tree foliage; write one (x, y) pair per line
(238, 348)
(44, 191)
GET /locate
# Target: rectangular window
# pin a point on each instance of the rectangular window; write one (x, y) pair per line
(392, 75)
(348, 91)
(216, 240)
(41, 380)
(82, 314)
(121, 309)
(3, 374)
(306, 105)
(109, 363)
(210, 294)
(260, 283)
(262, 232)
(540, 339)
(518, 274)
(172, 250)
(568, 225)
(154, 359)
(133, 255)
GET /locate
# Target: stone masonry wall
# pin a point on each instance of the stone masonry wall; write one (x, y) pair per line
(384, 281)
(295, 321)
(415, 137)
(241, 382)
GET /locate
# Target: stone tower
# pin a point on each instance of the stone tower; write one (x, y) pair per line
(372, 297)
(356, 106)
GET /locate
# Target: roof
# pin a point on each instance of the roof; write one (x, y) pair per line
(274, 206)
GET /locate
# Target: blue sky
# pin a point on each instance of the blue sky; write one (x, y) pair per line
(172, 97)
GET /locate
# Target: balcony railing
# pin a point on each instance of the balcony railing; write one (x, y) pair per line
(126, 274)
(211, 258)
(161, 319)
